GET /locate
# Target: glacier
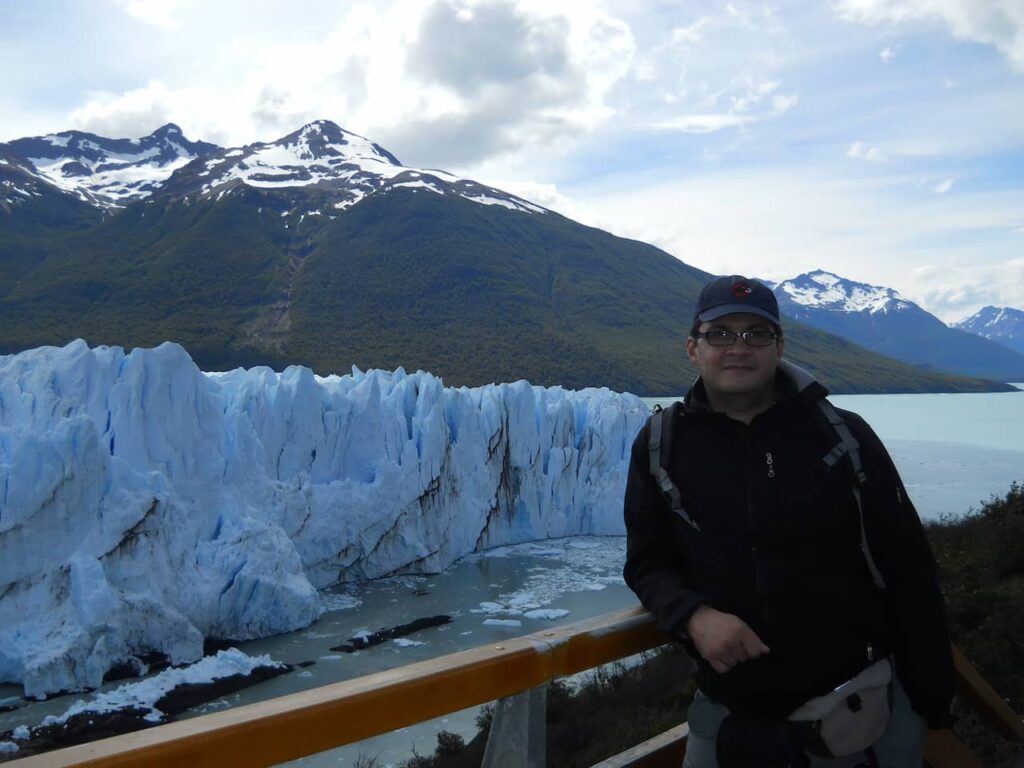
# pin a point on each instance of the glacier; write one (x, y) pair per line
(146, 505)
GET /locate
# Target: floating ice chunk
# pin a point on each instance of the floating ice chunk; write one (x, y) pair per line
(546, 613)
(405, 642)
(523, 601)
(502, 623)
(338, 601)
(490, 608)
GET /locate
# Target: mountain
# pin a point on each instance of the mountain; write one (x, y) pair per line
(321, 248)
(108, 173)
(325, 169)
(881, 320)
(1001, 324)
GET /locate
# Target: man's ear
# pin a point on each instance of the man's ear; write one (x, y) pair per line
(779, 347)
(691, 349)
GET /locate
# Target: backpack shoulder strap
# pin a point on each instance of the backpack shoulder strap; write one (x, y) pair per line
(662, 425)
(849, 446)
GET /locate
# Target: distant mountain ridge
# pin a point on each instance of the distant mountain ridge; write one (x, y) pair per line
(828, 291)
(882, 320)
(1001, 324)
(107, 173)
(321, 156)
(321, 248)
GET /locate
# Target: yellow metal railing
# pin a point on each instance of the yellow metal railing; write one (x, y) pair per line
(300, 724)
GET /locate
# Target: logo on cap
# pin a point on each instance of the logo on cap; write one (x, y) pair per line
(741, 290)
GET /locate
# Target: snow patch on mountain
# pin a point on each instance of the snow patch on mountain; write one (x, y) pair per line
(341, 165)
(116, 178)
(322, 158)
(145, 505)
(19, 182)
(828, 291)
(108, 172)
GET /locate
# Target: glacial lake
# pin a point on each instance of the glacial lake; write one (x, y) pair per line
(954, 452)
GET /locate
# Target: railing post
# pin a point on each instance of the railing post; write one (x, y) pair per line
(518, 735)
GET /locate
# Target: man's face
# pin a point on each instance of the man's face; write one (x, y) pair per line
(739, 369)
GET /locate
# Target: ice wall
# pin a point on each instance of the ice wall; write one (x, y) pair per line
(145, 504)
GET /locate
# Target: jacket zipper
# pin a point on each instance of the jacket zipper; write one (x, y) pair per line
(754, 554)
(758, 584)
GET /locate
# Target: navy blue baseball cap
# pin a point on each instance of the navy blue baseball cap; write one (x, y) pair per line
(734, 294)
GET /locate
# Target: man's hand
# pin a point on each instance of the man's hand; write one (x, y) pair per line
(723, 639)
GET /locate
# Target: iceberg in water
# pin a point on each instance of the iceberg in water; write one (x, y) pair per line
(145, 505)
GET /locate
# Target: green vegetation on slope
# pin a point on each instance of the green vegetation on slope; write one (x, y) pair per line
(472, 293)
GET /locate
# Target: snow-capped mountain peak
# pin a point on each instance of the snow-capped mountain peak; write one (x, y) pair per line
(324, 139)
(342, 166)
(1001, 324)
(107, 173)
(826, 290)
(323, 167)
(881, 320)
(316, 154)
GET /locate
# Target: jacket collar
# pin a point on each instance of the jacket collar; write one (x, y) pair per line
(791, 382)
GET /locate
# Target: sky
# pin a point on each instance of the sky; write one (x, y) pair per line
(882, 140)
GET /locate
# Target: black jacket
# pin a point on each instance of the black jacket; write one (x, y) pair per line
(779, 546)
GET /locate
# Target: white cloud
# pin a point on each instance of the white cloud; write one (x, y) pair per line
(887, 54)
(129, 115)
(444, 83)
(956, 290)
(158, 13)
(782, 103)
(752, 93)
(943, 186)
(549, 196)
(713, 71)
(690, 35)
(503, 78)
(999, 23)
(861, 151)
(702, 123)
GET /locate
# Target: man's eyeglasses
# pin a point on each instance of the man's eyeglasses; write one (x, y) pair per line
(718, 337)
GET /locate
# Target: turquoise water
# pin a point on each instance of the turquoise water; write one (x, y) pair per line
(990, 420)
(953, 451)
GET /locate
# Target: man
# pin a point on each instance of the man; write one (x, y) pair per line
(764, 569)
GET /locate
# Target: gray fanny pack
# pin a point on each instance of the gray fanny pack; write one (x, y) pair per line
(851, 717)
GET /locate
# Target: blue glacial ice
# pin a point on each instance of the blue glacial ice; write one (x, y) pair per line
(145, 505)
